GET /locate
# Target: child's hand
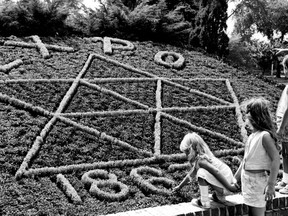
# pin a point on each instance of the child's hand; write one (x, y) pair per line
(269, 192)
(234, 187)
(176, 189)
(205, 157)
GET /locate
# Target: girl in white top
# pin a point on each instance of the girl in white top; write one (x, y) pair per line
(261, 157)
(208, 170)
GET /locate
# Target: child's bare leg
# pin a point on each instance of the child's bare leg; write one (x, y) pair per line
(254, 211)
(204, 195)
(218, 190)
(202, 182)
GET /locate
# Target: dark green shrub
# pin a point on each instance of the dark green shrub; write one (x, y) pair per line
(210, 24)
(29, 17)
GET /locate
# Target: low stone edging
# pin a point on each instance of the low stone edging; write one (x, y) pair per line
(235, 207)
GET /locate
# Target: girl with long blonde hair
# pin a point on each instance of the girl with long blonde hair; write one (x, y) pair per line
(207, 169)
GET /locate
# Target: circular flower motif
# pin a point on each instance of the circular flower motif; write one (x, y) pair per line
(96, 190)
(177, 60)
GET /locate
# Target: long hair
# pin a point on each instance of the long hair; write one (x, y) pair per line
(259, 116)
(194, 143)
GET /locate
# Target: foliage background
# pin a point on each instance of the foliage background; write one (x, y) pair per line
(186, 23)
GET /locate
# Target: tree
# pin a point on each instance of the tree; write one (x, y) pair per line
(265, 16)
(279, 10)
(210, 26)
(27, 17)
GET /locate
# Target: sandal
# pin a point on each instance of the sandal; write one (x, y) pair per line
(197, 202)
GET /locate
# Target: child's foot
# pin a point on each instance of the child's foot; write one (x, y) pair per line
(197, 202)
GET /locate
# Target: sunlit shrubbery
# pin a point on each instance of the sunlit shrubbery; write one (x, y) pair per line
(29, 17)
(178, 22)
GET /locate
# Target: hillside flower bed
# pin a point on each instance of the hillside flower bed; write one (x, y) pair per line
(83, 133)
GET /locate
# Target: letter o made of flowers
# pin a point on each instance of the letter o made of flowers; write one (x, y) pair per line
(99, 179)
(160, 57)
(148, 185)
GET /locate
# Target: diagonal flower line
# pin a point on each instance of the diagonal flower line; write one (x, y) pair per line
(201, 129)
(38, 44)
(165, 80)
(48, 127)
(102, 135)
(197, 92)
(239, 115)
(7, 67)
(159, 111)
(113, 93)
(63, 104)
(26, 106)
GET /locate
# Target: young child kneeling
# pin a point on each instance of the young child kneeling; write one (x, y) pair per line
(208, 170)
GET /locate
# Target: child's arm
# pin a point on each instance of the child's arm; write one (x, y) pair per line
(182, 184)
(186, 179)
(214, 171)
(237, 175)
(269, 144)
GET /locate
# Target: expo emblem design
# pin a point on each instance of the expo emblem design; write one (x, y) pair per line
(164, 58)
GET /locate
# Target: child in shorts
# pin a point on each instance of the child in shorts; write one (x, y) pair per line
(207, 169)
(259, 168)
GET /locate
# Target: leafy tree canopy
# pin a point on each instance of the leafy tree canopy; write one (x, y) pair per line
(265, 16)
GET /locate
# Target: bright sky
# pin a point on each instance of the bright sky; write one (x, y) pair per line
(230, 21)
(91, 3)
